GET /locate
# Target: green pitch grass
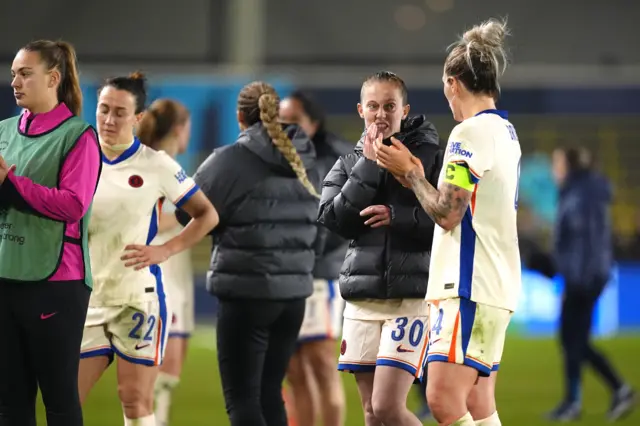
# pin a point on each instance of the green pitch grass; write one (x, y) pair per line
(529, 385)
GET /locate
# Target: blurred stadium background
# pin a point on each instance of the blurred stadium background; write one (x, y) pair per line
(575, 81)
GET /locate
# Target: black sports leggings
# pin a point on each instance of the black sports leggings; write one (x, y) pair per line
(41, 326)
(575, 336)
(256, 339)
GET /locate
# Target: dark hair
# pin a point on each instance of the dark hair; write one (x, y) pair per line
(479, 58)
(159, 119)
(391, 77)
(310, 107)
(577, 159)
(135, 83)
(259, 102)
(61, 55)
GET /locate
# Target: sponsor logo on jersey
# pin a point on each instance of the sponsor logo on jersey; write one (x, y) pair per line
(3, 145)
(456, 148)
(181, 176)
(343, 347)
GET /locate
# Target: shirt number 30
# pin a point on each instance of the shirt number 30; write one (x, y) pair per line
(415, 331)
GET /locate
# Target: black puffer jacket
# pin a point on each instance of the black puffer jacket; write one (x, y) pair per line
(328, 149)
(390, 262)
(265, 244)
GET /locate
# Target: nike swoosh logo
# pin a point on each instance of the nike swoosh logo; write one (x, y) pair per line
(138, 347)
(47, 316)
(435, 341)
(403, 350)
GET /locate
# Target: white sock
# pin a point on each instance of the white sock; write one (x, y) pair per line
(465, 420)
(492, 420)
(143, 421)
(165, 384)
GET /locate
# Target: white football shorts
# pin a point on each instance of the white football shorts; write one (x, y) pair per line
(137, 332)
(469, 333)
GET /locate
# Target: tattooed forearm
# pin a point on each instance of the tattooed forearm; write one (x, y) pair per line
(446, 207)
(428, 196)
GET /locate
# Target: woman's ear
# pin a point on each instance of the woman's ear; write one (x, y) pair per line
(405, 111)
(240, 117)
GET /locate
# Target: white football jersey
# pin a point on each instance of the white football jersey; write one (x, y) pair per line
(177, 272)
(479, 259)
(125, 211)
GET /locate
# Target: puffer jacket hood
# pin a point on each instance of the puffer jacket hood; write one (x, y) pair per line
(256, 140)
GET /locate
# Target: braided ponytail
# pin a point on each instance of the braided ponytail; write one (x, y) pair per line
(268, 104)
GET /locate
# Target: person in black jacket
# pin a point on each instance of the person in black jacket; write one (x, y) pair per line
(584, 259)
(385, 272)
(263, 253)
(314, 380)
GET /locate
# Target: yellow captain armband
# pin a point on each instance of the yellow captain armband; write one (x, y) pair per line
(459, 175)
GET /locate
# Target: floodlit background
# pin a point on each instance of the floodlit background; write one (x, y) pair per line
(575, 80)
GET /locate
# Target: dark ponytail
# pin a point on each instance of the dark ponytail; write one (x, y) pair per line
(61, 55)
(69, 90)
